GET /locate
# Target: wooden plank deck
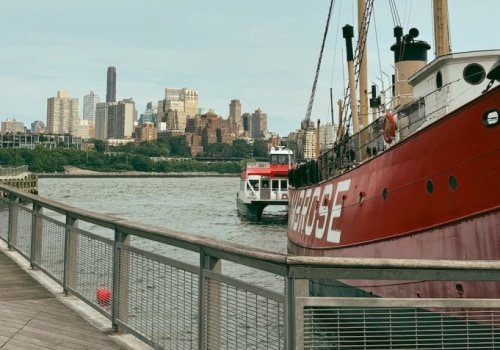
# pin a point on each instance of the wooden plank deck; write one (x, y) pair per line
(33, 318)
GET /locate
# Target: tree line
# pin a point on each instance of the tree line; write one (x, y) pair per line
(135, 156)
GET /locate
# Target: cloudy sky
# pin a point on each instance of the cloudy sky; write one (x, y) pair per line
(263, 52)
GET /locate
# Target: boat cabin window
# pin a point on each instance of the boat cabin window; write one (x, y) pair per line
(284, 185)
(276, 185)
(279, 159)
(265, 183)
(254, 184)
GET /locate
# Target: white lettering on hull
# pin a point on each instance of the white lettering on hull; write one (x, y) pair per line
(315, 211)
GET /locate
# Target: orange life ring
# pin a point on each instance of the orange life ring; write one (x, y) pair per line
(389, 127)
(284, 196)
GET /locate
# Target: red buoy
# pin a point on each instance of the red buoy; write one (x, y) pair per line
(103, 296)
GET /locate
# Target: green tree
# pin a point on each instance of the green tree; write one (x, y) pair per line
(148, 148)
(240, 148)
(260, 148)
(141, 163)
(179, 146)
(99, 146)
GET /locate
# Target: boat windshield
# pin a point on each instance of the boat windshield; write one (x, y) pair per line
(279, 159)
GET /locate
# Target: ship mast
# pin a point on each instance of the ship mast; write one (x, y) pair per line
(441, 27)
(348, 34)
(363, 68)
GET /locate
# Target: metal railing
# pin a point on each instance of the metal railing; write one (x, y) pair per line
(369, 141)
(13, 171)
(192, 303)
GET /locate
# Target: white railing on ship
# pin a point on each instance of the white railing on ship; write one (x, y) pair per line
(258, 165)
(169, 302)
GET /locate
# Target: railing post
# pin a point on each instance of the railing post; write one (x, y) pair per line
(294, 316)
(36, 236)
(120, 289)
(13, 214)
(209, 304)
(70, 255)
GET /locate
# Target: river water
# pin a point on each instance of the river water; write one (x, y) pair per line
(199, 205)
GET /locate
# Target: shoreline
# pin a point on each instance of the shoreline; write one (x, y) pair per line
(132, 174)
(72, 171)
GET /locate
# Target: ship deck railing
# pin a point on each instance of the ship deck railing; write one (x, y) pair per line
(353, 149)
(191, 293)
(258, 165)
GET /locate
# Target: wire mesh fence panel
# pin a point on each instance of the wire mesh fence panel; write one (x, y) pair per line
(400, 328)
(23, 227)
(52, 247)
(4, 218)
(91, 268)
(162, 300)
(238, 317)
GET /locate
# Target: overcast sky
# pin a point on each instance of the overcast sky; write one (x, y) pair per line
(263, 52)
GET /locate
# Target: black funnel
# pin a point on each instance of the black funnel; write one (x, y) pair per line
(409, 49)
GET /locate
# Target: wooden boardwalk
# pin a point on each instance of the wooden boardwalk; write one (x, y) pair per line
(33, 318)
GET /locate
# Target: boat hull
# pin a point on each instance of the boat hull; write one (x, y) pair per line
(453, 242)
(249, 210)
(253, 209)
(435, 195)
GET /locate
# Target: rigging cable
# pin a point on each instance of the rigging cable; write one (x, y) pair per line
(311, 100)
(394, 12)
(378, 49)
(335, 46)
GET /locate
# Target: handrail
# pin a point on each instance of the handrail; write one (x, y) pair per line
(13, 171)
(159, 285)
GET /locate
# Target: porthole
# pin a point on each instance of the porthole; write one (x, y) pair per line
(491, 118)
(361, 197)
(430, 186)
(384, 193)
(452, 181)
(344, 197)
(439, 80)
(474, 74)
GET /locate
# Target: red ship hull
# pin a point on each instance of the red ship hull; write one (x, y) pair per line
(434, 195)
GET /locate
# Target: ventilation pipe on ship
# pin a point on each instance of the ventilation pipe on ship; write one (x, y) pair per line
(348, 34)
(410, 55)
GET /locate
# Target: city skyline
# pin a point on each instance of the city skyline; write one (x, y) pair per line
(225, 50)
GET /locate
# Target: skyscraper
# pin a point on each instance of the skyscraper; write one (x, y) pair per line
(89, 102)
(177, 106)
(115, 120)
(101, 120)
(259, 123)
(111, 85)
(62, 114)
(182, 100)
(121, 116)
(235, 117)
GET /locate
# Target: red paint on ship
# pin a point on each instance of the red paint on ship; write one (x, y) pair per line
(434, 195)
